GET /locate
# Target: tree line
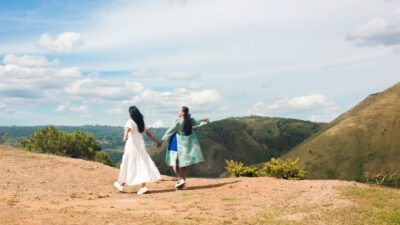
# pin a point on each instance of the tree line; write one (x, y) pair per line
(77, 144)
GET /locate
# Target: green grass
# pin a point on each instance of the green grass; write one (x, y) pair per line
(371, 206)
(378, 204)
(13, 201)
(363, 140)
(234, 198)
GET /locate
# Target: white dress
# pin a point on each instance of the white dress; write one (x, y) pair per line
(136, 165)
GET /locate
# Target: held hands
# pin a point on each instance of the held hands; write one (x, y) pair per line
(159, 143)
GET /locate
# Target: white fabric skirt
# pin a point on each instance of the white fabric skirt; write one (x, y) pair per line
(136, 166)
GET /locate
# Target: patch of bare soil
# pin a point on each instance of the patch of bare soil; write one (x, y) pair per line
(45, 189)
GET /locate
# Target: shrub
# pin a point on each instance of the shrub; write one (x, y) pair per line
(77, 144)
(237, 169)
(103, 158)
(385, 179)
(286, 169)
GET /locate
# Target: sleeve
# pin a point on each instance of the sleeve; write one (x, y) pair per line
(171, 131)
(128, 124)
(196, 122)
(145, 126)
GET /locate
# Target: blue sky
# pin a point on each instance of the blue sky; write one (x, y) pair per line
(86, 62)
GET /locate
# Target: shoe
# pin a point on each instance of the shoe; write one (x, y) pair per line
(182, 187)
(180, 183)
(118, 186)
(142, 190)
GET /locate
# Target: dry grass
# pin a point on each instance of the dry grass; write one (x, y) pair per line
(55, 190)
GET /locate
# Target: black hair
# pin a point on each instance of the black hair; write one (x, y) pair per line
(187, 124)
(137, 117)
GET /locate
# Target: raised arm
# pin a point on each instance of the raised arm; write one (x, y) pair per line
(171, 131)
(205, 119)
(151, 136)
(197, 122)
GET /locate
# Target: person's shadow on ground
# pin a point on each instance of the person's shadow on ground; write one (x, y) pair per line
(199, 187)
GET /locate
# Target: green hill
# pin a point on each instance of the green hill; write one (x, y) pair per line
(248, 139)
(364, 140)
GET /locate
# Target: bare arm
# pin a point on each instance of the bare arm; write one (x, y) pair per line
(151, 136)
(197, 122)
(126, 131)
(205, 119)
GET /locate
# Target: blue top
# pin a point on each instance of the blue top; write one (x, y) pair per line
(173, 143)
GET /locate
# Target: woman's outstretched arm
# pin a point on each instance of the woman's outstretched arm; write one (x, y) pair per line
(205, 119)
(197, 122)
(151, 136)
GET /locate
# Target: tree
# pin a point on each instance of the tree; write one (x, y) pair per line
(3, 138)
(77, 144)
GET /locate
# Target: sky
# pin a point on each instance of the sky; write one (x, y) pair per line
(85, 62)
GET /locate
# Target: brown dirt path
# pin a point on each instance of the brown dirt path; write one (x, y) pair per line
(45, 189)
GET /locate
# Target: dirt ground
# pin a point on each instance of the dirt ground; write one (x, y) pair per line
(45, 189)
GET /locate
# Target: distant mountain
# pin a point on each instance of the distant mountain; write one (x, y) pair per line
(248, 139)
(366, 139)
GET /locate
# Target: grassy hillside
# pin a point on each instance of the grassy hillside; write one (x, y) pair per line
(248, 139)
(364, 140)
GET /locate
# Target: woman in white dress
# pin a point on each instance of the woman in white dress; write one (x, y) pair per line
(136, 166)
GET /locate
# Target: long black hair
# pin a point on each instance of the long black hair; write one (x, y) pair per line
(137, 117)
(187, 124)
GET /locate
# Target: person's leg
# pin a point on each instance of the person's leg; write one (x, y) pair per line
(182, 180)
(119, 186)
(176, 171)
(183, 173)
(143, 189)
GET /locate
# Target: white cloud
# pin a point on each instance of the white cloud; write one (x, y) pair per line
(181, 76)
(70, 72)
(115, 111)
(267, 84)
(396, 51)
(46, 86)
(64, 42)
(142, 74)
(196, 86)
(240, 92)
(99, 90)
(79, 109)
(6, 108)
(30, 82)
(61, 108)
(379, 31)
(29, 60)
(203, 97)
(315, 103)
(169, 101)
(157, 124)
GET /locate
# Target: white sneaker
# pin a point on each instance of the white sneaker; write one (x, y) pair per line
(142, 190)
(180, 183)
(118, 186)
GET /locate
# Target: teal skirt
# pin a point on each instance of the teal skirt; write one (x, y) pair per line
(184, 149)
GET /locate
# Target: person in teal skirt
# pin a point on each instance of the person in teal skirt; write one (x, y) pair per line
(183, 147)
